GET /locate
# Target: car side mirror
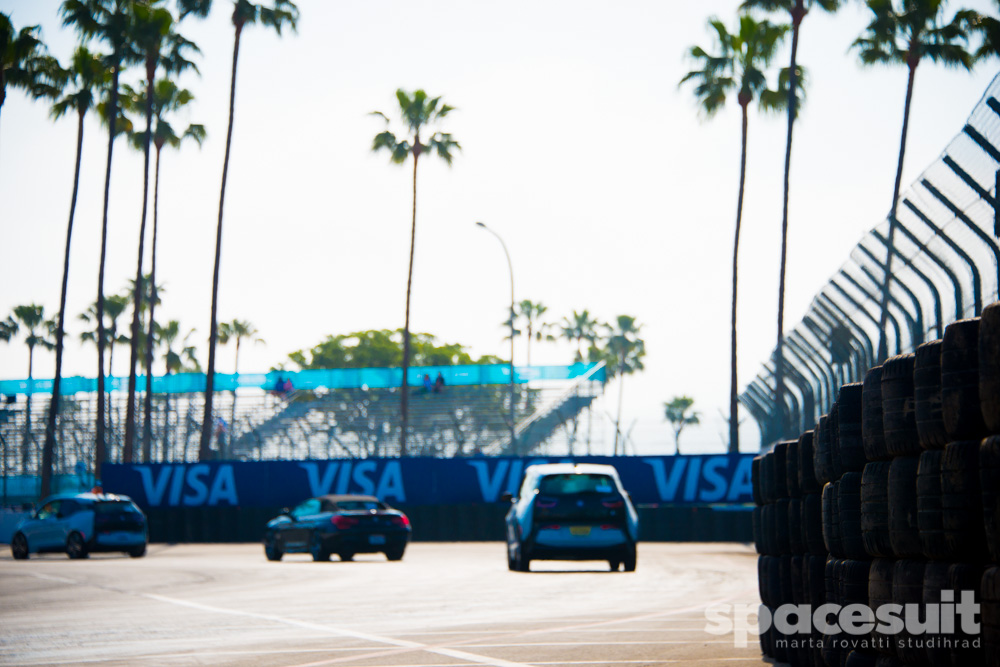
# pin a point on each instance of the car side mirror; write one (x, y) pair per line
(285, 512)
(507, 497)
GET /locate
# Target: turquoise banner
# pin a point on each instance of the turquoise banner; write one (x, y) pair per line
(337, 378)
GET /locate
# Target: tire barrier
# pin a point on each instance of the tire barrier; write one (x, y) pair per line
(894, 498)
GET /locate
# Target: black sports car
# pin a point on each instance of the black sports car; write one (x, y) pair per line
(342, 525)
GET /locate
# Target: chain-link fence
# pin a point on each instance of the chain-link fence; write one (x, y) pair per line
(944, 268)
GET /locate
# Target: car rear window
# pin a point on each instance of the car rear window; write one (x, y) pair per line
(358, 505)
(114, 507)
(571, 483)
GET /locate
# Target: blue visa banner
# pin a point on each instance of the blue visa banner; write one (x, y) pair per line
(416, 481)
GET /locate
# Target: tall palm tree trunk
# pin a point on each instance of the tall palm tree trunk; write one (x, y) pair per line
(100, 451)
(26, 443)
(404, 403)
(50, 428)
(734, 425)
(779, 362)
(204, 449)
(128, 453)
(883, 343)
(621, 391)
(236, 373)
(147, 422)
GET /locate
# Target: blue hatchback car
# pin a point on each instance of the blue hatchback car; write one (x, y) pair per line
(80, 524)
(567, 511)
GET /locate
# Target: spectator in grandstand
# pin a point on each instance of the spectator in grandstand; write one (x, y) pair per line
(439, 383)
(428, 386)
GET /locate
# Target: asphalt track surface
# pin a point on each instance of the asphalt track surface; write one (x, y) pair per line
(452, 604)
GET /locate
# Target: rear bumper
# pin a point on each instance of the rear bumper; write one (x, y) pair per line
(363, 542)
(116, 542)
(543, 552)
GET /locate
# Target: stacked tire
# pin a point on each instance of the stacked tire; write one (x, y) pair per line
(893, 498)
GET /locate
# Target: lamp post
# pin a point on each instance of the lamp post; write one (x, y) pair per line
(510, 268)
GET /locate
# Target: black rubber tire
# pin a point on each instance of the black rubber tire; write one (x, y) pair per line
(630, 559)
(792, 468)
(880, 593)
(871, 416)
(989, 482)
(316, 550)
(861, 659)
(887, 661)
(137, 552)
(272, 551)
(813, 584)
(899, 425)
(395, 554)
(908, 588)
(850, 446)
(961, 502)
(966, 577)
(807, 473)
(19, 547)
(837, 465)
(935, 581)
(758, 529)
(929, 521)
(767, 580)
(990, 614)
(875, 510)
(76, 546)
(831, 521)
(960, 405)
(822, 456)
(613, 565)
(521, 562)
(904, 534)
(346, 556)
(780, 470)
(796, 539)
(812, 524)
(782, 541)
(767, 473)
(832, 643)
(849, 511)
(755, 481)
(927, 396)
(989, 366)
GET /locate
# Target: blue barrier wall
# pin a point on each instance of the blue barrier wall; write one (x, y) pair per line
(337, 378)
(653, 480)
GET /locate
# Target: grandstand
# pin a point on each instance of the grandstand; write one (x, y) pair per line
(338, 413)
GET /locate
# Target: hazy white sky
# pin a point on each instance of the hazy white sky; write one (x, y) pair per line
(579, 149)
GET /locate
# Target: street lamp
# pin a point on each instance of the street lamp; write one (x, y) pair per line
(511, 269)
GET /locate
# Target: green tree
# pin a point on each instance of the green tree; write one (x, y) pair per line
(30, 319)
(106, 21)
(114, 308)
(676, 412)
(740, 65)
(578, 328)
(418, 114)
(281, 13)
(24, 63)
(382, 348)
(183, 360)
(531, 313)
(622, 351)
(83, 80)
(237, 331)
(797, 10)
(906, 36)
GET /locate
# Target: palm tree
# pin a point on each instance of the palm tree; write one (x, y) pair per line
(114, 308)
(915, 32)
(580, 327)
(277, 16)
(676, 412)
(739, 65)
(157, 45)
(107, 21)
(418, 113)
(24, 63)
(237, 331)
(797, 10)
(85, 77)
(532, 312)
(30, 318)
(174, 362)
(622, 353)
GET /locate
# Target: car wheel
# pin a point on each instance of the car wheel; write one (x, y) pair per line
(19, 547)
(346, 555)
(396, 553)
(511, 563)
(522, 562)
(76, 547)
(272, 551)
(137, 551)
(629, 560)
(615, 564)
(316, 548)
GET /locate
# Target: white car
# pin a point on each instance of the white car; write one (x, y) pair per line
(567, 511)
(81, 523)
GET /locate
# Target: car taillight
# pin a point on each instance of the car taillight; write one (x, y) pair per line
(343, 522)
(545, 503)
(613, 504)
(608, 526)
(551, 526)
(401, 520)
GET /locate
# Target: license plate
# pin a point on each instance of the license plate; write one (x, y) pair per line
(376, 539)
(581, 531)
